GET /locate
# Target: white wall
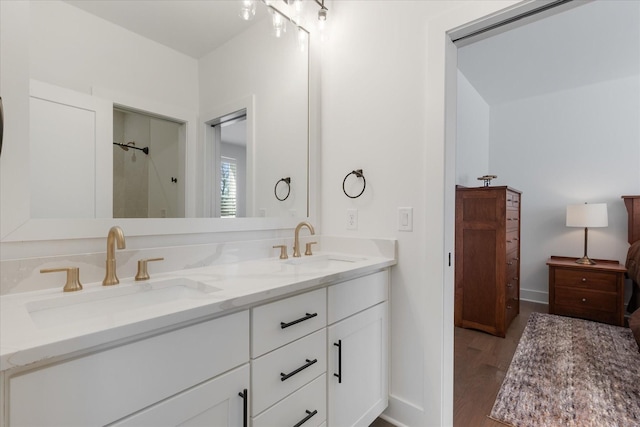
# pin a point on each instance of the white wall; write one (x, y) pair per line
(74, 49)
(383, 110)
(572, 146)
(472, 153)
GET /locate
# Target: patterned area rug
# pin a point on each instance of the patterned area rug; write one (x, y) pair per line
(571, 372)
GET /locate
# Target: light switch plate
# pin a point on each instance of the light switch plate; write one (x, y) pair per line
(405, 219)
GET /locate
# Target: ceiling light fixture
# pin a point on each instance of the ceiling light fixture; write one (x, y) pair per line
(322, 13)
(248, 9)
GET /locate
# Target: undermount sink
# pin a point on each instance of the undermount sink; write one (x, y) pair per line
(323, 258)
(84, 305)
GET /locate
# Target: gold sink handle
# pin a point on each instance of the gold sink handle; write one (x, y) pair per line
(283, 251)
(142, 273)
(73, 277)
(307, 251)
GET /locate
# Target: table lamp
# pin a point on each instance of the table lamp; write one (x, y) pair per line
(587, 216)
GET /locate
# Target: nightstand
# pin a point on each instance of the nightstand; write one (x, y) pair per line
(593, 292)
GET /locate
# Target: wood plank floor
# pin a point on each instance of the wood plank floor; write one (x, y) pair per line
(480, 365)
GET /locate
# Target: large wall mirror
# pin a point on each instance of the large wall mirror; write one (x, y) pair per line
(174, 70)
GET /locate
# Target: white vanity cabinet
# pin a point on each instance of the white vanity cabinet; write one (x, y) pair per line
(220, 402)
(314, 359)
(357, 377)
(107, 386)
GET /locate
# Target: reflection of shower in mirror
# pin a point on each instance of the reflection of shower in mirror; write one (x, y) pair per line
(132, 144)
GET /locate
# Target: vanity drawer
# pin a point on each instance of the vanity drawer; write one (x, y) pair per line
(280, 322)
(106, 386)
(309, 402)
(355, 295)
(295, 360)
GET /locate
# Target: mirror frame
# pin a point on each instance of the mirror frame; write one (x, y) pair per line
(18, 226)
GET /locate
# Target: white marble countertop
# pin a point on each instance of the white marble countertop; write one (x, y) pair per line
(34, 328)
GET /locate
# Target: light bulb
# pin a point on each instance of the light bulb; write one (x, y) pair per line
(322, 14)
(279, 24)
(248, 9)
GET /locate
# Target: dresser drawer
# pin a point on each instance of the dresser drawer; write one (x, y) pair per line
(512, 240)
(276, 324)
(310, 403)
(513, 219)
(593, 280)
(513, 259)
(585, 299)
(295, 361)
(513, 199)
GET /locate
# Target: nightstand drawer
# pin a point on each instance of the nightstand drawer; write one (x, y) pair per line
(585, 299)
(591, 280)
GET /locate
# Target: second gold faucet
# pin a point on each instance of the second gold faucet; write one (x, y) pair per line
(296, 241)
(115, 236)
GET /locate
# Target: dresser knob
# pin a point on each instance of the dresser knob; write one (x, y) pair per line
(584, 300)
(509, 285)
(508, 307)
(584, 279)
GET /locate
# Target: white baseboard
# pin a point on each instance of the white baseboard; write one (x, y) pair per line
(534, 296)
(401, 413)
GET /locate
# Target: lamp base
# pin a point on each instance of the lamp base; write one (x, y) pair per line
(585, 260)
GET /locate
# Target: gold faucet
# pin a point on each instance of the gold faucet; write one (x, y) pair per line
(115, 236)
(296, 242)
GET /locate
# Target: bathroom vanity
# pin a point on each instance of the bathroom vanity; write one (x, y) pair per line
(265, 342)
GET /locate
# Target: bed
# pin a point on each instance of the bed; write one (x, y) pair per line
(632, 263)
(575, 372)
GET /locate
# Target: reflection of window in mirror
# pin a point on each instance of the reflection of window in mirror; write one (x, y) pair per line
(228, 185)
(146, 166)
(227, 156)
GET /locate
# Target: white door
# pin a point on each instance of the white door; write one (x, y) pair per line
(220, 402)
(358, 368)
(70, 153)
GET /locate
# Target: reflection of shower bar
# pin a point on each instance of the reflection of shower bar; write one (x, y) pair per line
(125, 147)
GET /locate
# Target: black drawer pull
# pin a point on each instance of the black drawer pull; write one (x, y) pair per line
(307, 418)
(302, 319)
(284, 376)
(245, 407)
(339, 374)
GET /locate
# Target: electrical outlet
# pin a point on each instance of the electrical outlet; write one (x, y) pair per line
(352, 219)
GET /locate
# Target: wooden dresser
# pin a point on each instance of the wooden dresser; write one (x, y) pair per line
(487, 272)
(594, 292)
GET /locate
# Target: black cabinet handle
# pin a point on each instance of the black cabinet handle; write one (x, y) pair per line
(339, 374)
(245, 407)
(307, 418)
(302, 319)
(284, 376)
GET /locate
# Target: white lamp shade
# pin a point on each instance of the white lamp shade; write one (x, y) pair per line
(587, 215)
